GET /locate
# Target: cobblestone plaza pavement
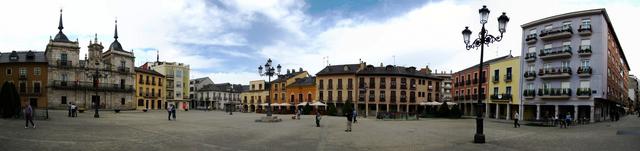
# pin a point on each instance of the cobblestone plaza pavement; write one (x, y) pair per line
(197, 130)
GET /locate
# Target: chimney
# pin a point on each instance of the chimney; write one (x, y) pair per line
(301, 69)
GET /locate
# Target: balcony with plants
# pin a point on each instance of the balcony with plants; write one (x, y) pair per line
(585, 50)
(584, 30)
(584, 71)
(529, 93)
(530, 75)
(564, 31)
(583, 93)
(554, 93)
(531, 38)
(556, 52)
(530, 56)
(558, 72)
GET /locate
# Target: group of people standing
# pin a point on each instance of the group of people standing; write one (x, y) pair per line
(73, 110)
(172, 111)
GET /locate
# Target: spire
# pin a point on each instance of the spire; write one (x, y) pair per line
(115, 35)
(60, 27)
(157, 56)
(96, 38)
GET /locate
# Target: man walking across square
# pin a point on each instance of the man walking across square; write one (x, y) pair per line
(28, 116)
(516, 117)
(169, 109)
(349, 121)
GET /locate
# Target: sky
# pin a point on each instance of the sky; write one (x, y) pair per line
(227, 40)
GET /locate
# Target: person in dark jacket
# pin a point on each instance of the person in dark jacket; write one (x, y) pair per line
(173, 111)
(169, 110)
(349, 121)
(28, 116)
(318, 117)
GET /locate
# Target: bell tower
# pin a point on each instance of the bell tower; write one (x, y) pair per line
(95, 52)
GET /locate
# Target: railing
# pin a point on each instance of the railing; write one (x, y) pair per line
(501, 97)
(531, 38)
(124, 70)
(555, 52)
(584, 71)
(75, 85)
(64, 63)
(584, 50)
(583, 92)
(495, 79)
(529, 93)
(562, 71)
(508, 77)
(530, 56)
(554, 92)
(556, 30)
(529, 75)
(584, 29)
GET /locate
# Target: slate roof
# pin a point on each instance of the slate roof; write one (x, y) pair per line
(307, 81)
(23, 56)
(285, 77)
(224, 87)
(339, 69)
(391, 70)
(153, 72)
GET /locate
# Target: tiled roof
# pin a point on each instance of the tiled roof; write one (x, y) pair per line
(394, 71)
(287, 76)
(23, 56)
(224, 87)
(339, 69)
(307, 81)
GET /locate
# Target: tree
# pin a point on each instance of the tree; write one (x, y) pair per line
(10, 102)
(331, 109)
(443, 111)
(456, 112)
(307, 109)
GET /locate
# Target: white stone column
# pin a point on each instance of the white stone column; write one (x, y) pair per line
(575, 112)
(497, 111)
(508, 111)
(593, 114)
(537, 111)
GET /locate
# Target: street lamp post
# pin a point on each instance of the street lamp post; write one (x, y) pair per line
(269, 71)
(483, 39)
(96, 75)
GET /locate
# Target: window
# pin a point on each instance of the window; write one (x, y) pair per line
(140, 102)
(275, 98)
(508, 90)
(339, 95)
(63, 100)
(63, 57)
(566, 85)
(122, 101)
(309, 97)
(179, 73)
(531, 50)
(585, 42)
(393, 83)
(546, 65)
(321, 95)
(532, 31)
(372, 83)
(350, 83)
(547, 48)
(36, 87)
(496, 75)
(330, 93)
(548, 27)
(566, 25)
(339, 83)
(585, 84)
(546, 85)
(393, 96)
(350, 95)
(532, 68)
(495, 90)
(23, 87)
(585, 62)
(141, 79)
(36, 71)
(586, 23)
(372, 95)
(8, 71)
(23, 72)
(383, 83)
(382, 99)
(530, 86)
(565, 64)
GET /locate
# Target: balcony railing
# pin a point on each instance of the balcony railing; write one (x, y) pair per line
(530, 56)
(529, 75)
(496, 79)
(531, 38)
(584, 30)
(556, 52)
(64, 64)
(501, 97)
(529, 93)
(508, 77)
(124, 70)
(558, 72)
(585, 50)
(584, 71)
(554, 93)
(564, 31)
(74, 85)
(583, 92)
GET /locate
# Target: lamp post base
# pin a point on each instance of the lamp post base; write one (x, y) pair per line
(96, 115)
(478, 138)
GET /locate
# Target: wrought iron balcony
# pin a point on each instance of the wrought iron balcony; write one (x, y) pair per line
(529, 75)
(554, 93)
(584, 30)
(531, 38)
(530, 56)
(585, 50)
(508, 77)
(564, 31)
(496, 79)
(76, 85)
(124, 70)
(556, 52)
(529, 93)
(583, 92)
(558, 72)
(64, 64)
(584, 71)
(501, 97)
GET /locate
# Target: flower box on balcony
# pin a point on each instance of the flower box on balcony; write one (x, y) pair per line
(560, 72)
(584, 30)
(554, 93)
(529, 94)
(556, 33)
(529, 57)
(584, 71)
(585, 50)
(556, 52)
(530, 75)
(583, 93)
(531, 38)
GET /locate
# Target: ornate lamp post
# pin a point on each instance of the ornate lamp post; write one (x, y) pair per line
(483, 39)
(96, 75)
(269, 71)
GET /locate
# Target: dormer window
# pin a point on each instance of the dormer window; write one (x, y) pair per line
(346, 68)
(13, 56)
(30, 55)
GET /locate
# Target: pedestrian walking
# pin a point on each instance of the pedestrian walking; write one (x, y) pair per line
(74, 110)
(355, 114)
(169, 109)
(173, 111)
(349, 121)
(516, 117)
(318, 117)
(28, 116)
(567, 120)
(69, 108)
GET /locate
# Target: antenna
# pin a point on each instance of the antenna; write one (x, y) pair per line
(394, 60)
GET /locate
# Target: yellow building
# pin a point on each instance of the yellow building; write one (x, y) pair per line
(256, 95)
(149, 89)
(504, 90)
(176, 89)
(279, 91)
